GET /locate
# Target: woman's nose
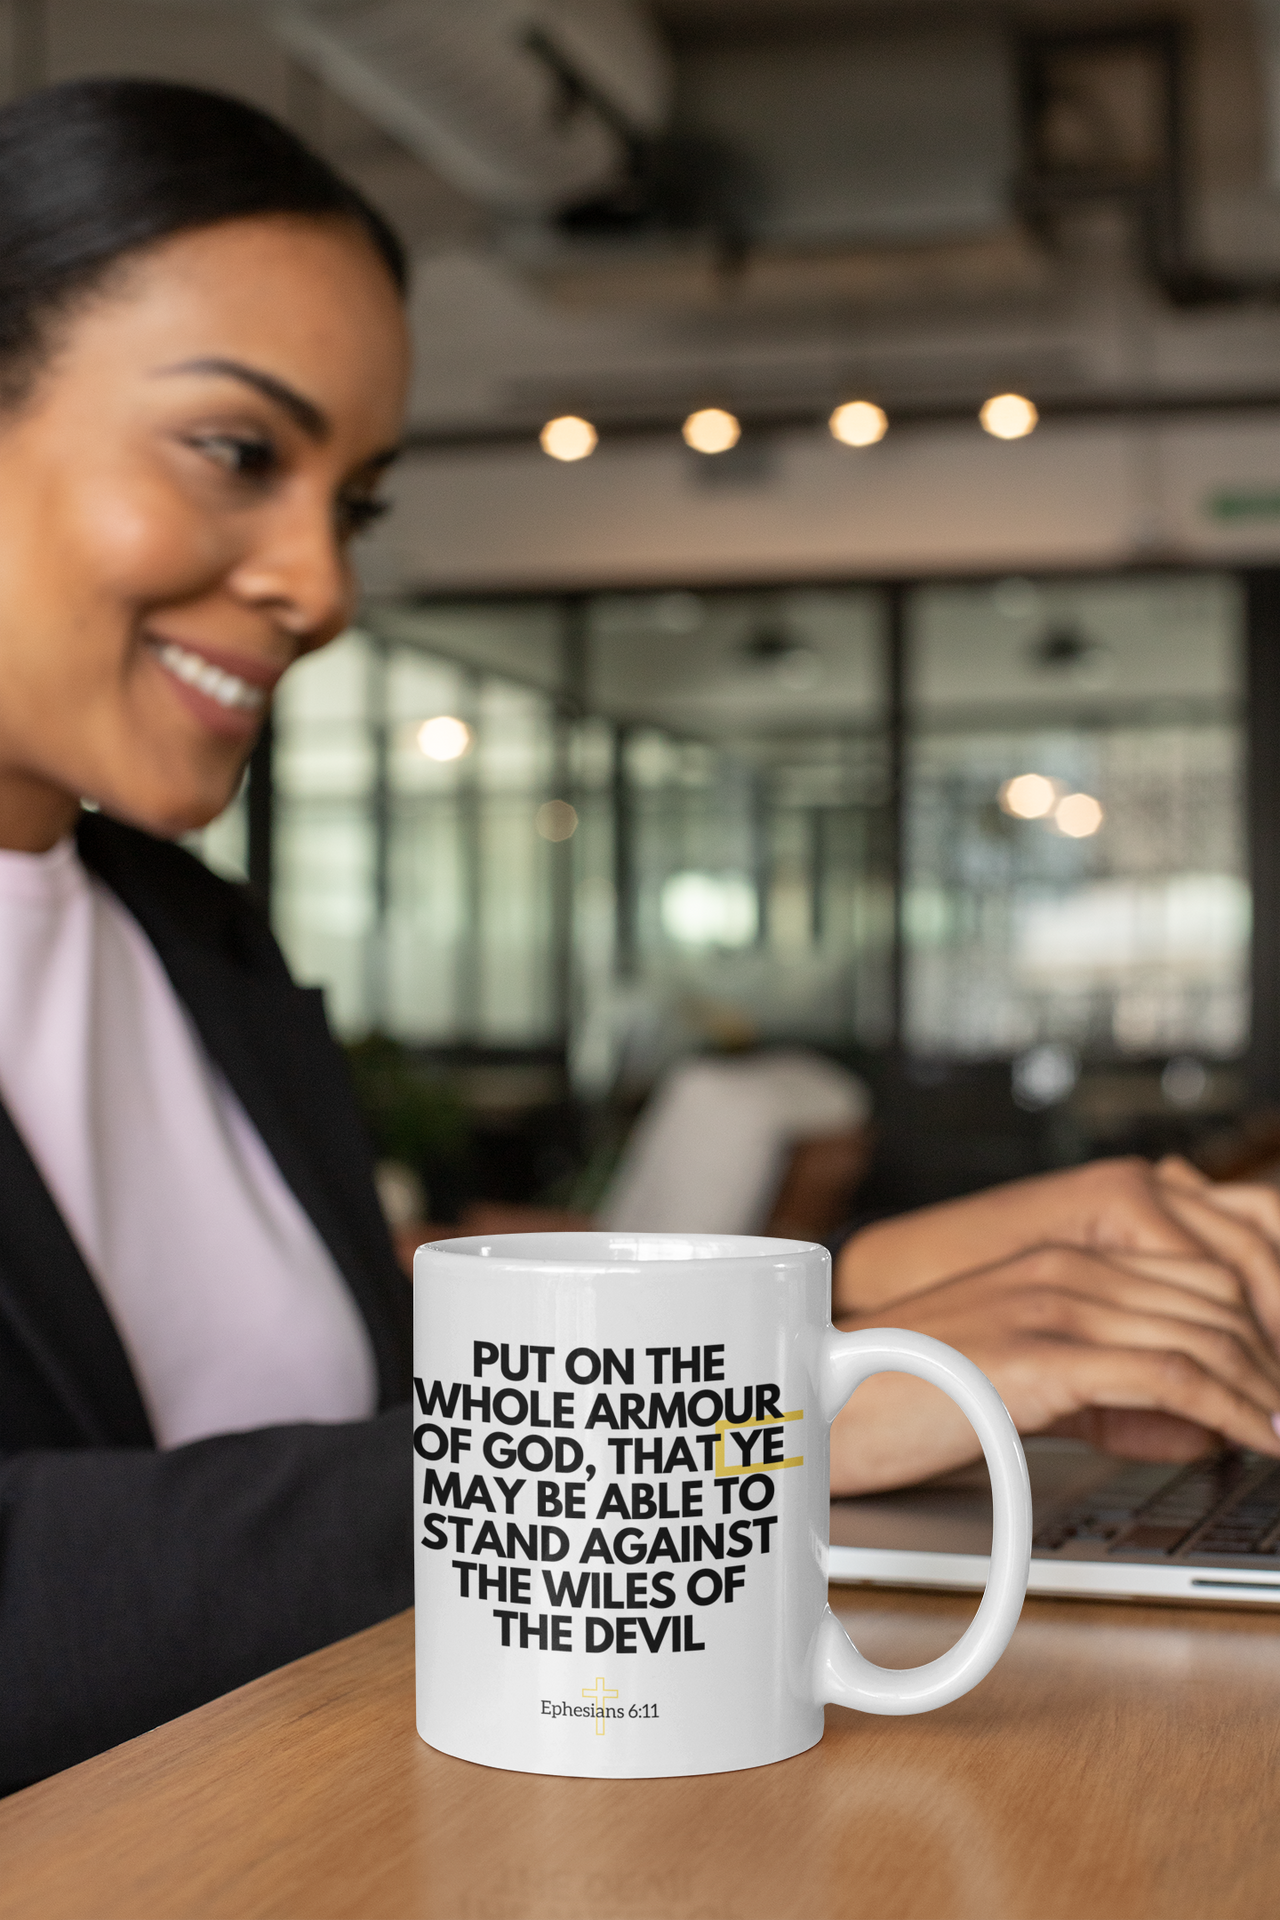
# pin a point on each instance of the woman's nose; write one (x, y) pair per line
(299, 573)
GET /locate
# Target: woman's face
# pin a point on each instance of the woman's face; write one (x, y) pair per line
(177, 495)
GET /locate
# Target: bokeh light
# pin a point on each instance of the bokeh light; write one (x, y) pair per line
(1029, 796)
(859, 423)
(1009, 416)
(555, 820)
(711, 430)
(444, 738)
(568, 437)
(1078, 815)
(709, 909)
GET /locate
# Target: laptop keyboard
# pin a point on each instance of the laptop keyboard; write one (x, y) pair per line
(1228, 1505)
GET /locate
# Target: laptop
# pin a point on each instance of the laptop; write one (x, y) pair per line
(1103, 1529)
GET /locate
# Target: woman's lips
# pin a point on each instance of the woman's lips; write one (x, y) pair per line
(227, 701)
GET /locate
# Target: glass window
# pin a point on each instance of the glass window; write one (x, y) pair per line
(414, 869)
(520, 640)
(427, 892)
(753, 803)
(1074, 844)
(518, 823)
(324, 880)
(515, 768)
(718, 664)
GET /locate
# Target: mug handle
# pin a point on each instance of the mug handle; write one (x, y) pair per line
(840, 1674)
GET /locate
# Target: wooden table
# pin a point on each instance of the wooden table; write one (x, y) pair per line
(1120, 1764)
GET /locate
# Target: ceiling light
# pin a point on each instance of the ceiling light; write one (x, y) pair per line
(1008, 416)
(711, 430)
(859, 423)
(568, 438)
(1078, 816)
(444, 738)
(1029, 796)
(555, 820)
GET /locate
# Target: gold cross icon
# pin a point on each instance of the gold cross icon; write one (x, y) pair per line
(600, 1693)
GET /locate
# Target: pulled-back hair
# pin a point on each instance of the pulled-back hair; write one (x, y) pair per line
(93, 170)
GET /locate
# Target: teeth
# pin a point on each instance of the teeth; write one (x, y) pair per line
(228, 689)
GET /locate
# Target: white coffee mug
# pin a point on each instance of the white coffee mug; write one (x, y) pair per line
(621, 1485)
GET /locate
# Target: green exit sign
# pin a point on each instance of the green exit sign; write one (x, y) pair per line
(1244, 503)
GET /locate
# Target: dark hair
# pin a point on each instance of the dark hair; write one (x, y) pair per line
(92, 170)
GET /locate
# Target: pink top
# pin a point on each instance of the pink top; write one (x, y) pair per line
(229, 1305)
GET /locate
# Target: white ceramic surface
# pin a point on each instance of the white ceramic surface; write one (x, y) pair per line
(621, 1486)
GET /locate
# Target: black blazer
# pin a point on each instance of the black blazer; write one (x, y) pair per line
(135, 1584)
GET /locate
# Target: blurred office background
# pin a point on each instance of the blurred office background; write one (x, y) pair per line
(731, 674)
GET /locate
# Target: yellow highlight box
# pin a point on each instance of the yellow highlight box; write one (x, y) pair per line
(753, 1466)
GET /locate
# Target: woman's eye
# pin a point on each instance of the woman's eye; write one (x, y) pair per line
(245, 456)
(355, 512)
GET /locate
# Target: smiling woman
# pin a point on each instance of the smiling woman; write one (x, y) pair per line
(190, 441)
(203, 360)
(204, 1370)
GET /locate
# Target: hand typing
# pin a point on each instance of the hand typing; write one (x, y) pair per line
(1137, 1307)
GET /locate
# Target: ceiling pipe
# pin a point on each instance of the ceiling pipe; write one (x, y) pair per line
(524, 105)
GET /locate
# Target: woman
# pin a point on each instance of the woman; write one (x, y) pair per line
(203, 359)
(204, 1362)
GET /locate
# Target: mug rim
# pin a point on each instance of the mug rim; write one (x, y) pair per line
(590, 1252)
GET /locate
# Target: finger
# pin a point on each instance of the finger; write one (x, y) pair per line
(1241, 1245)
(1199, 1290)
(1217, 1350)
(1208, 1278)
(1121, 1203)
(1180, 1173)
(1167, 1382)
(1196, 1289)
(1250, 1201)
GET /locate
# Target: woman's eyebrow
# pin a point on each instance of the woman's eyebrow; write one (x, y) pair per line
(305, 413)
